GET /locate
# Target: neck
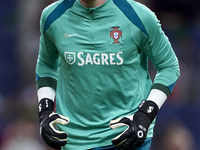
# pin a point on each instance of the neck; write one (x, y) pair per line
(92, 3)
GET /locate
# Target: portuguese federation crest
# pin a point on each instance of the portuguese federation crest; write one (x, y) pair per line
(116, 34)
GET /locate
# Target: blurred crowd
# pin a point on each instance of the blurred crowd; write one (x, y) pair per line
(178, 121)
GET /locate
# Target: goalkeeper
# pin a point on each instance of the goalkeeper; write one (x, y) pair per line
(93, 67)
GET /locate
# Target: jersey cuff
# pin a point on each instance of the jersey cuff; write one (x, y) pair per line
(46, 92)
(161, 87)
(157, 96)
(46, 82)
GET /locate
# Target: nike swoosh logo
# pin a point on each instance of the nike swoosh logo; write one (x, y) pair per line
(69, 35)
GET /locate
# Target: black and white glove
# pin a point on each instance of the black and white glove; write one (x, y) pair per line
(138, 125)
(52, 137)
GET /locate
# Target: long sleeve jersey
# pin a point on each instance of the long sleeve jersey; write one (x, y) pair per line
(97, 61)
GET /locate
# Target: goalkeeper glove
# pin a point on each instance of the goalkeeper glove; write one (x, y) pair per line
(48, 119)
(138, 125)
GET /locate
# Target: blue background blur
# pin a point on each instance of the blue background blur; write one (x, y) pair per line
(178, 122)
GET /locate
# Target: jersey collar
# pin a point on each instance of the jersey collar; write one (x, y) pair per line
(104, 8)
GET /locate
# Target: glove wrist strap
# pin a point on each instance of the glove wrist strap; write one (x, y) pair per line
(149, 108)
(45, 105)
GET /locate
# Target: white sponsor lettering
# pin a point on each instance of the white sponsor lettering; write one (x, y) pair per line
(120, 58)
(88, 59)
(96, 58)
(80, 58)
(104, 59)
(112, 59)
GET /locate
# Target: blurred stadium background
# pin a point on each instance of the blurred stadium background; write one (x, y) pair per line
(178, 122)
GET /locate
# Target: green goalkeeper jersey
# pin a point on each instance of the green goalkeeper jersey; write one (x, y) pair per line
(99, 59)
